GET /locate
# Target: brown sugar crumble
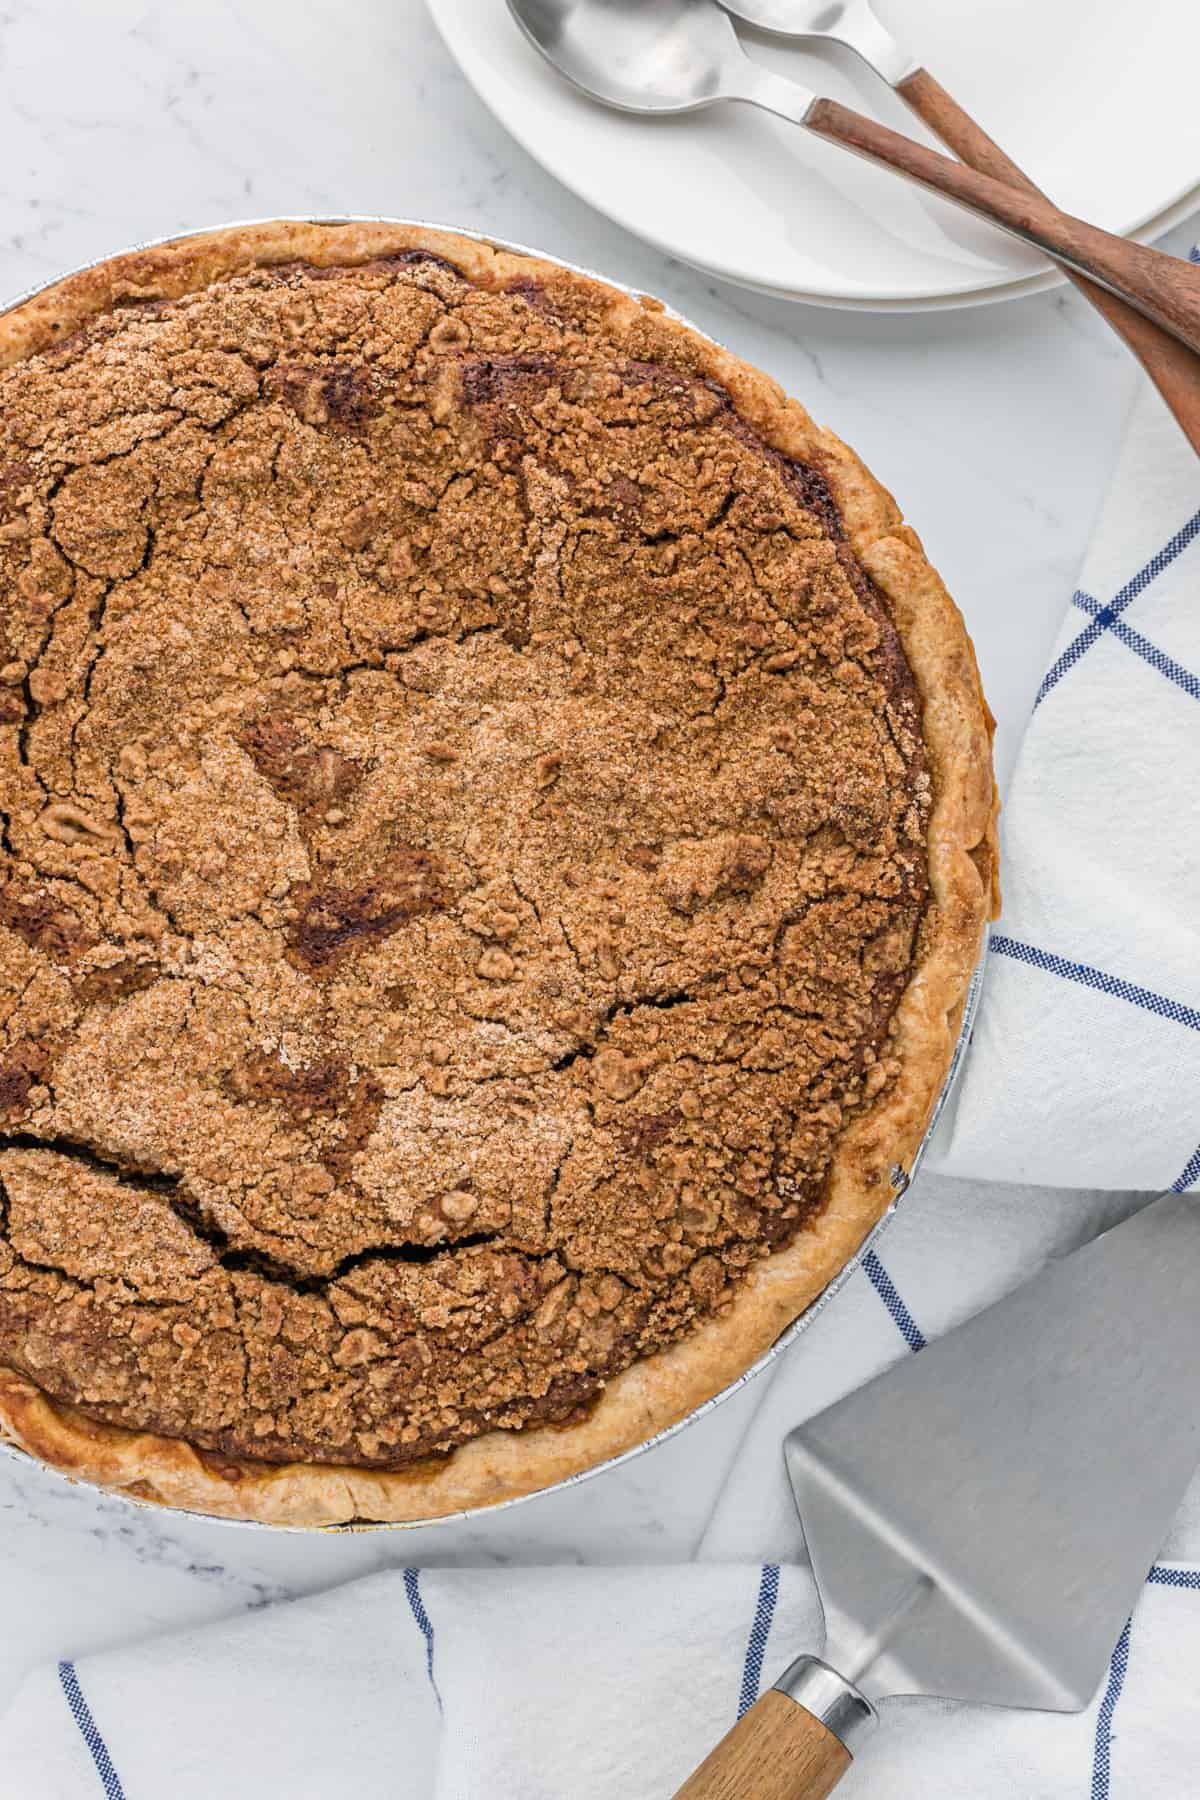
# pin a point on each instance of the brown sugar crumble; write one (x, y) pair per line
(462, 844)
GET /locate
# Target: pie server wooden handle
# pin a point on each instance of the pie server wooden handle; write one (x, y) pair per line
(1164, 288)
(776, 1751)
(793, 1744)
(1174, 370)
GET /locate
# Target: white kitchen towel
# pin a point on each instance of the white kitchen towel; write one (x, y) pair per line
(1085, 1068)
(609, 1684)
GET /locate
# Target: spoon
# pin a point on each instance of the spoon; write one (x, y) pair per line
(676, 56)
(854, 24)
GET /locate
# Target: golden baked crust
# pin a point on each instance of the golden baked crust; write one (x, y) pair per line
(946, 775)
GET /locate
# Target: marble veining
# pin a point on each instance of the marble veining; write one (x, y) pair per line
(996, 427)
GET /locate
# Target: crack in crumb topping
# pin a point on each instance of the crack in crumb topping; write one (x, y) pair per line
(462, 844)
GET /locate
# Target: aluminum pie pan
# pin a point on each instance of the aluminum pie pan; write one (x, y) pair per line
(901, 1177)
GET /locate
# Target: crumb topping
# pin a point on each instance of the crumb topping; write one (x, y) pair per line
(462, 842)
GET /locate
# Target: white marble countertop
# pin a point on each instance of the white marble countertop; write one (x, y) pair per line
(996, 427)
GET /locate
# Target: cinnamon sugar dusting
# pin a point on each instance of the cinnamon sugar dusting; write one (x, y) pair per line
(462, 843)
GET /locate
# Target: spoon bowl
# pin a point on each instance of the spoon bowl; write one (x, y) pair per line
(661, 56)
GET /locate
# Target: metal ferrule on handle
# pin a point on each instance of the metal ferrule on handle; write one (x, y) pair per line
(795, 1743)
(831, 1699)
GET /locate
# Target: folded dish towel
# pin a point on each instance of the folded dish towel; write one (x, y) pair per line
(610, 1684)
(1085, 1067)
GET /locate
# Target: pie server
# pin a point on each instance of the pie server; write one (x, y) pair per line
(982, 1517)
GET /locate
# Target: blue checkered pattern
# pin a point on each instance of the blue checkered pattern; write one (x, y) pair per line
(760, 1631)
(1107, 617)
(81, 1712)
(412, 1591)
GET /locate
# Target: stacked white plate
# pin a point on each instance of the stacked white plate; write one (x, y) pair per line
(1096, 99)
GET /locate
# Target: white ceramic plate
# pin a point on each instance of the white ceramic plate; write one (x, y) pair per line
(1096, 98)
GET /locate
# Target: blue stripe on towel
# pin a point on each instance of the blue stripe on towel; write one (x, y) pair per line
(1116, 985)
(1141, 646)
(81, 1712)
(412, 1587)
(1161, 1575)
(1188, 1175)
(1102, 1759)
(760, 1631)
(884, 1286)
(1105, 617)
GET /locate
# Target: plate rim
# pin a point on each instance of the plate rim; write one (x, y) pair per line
(1038, 282)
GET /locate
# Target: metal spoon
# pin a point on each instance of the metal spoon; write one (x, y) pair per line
(854, 24)
(674, 56)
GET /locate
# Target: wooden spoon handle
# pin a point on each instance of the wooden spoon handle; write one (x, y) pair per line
(969, 141)
(1174, 370)
(1163, 287)
(776, 1751)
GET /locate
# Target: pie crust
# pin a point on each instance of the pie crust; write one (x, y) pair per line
(656, 1390)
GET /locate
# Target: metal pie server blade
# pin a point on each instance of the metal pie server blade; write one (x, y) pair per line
(982, 1517)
